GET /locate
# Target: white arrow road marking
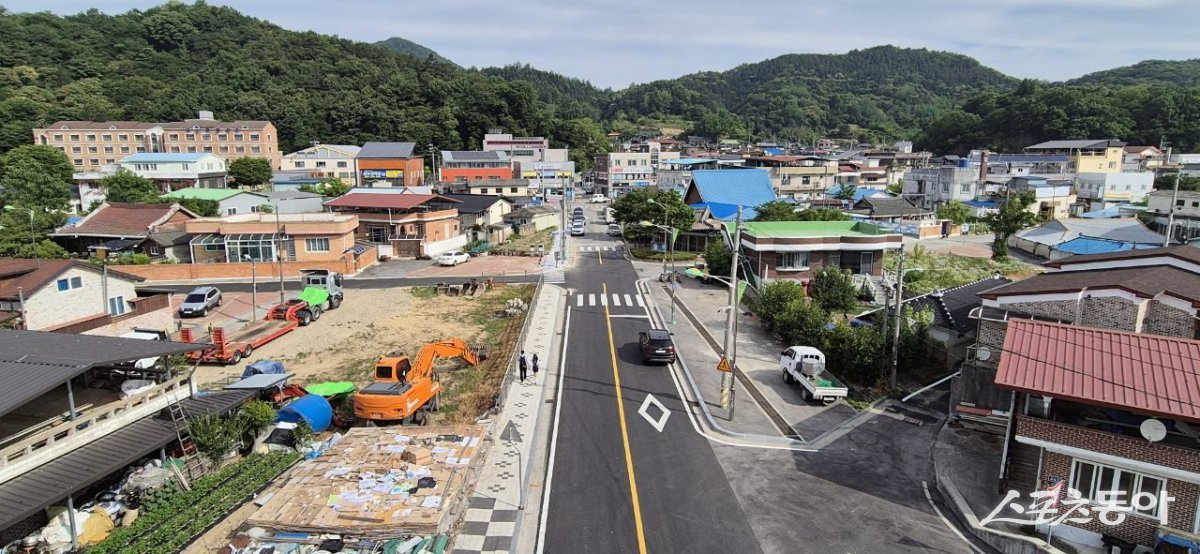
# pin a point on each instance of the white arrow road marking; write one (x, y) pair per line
(644, 411)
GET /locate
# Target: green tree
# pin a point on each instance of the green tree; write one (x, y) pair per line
(329, 186)
(856, 354)
(776, 210)
(822, 214)
(635, 207)
(127, 186)
(717, 257)
(1012, 216)
(774, 299)
(833, 289)
(895, 189)
(955, 211)
(845, 192)
(250, 172)
(915, 349)
(1167, 182)
(801, 323)
(27, 184)
(46, 249)
(51, 160)
(200, 206)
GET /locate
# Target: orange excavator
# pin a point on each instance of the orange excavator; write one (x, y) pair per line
(407, 390)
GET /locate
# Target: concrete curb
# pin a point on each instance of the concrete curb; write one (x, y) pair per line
(693, 396)
(1004, 541)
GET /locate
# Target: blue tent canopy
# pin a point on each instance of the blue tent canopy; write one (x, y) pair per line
(263, 366)
(310, 408)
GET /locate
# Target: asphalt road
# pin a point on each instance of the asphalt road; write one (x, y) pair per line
(684, 502)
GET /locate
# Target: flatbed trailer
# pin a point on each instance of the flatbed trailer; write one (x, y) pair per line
(231, 348)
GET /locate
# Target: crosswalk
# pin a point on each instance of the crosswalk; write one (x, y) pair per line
(598, 248)
(554, 277)
(612, 299)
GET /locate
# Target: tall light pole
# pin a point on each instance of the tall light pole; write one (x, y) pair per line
(33, 229)
(727, 380)
(279, 245)
(1171, 208)
(667, 230)
(253, 286)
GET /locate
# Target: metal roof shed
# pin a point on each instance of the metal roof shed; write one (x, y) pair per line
(34, 362)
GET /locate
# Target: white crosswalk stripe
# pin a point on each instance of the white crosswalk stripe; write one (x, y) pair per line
(578, 300)
(628, 300)
(616, 300)
(591, 300)
(603, 300)
(555, 277)
(640, 303)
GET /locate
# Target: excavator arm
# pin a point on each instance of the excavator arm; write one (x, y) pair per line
(423, 362)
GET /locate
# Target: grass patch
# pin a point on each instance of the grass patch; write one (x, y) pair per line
(648, 254)
(424, 293)
(521, 244)
(952, 270)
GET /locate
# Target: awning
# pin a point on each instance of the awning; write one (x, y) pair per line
(251, 237)
(358, 249)
(204, 240)
(115, 245)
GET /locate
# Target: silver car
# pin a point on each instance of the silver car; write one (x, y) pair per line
(200, 301)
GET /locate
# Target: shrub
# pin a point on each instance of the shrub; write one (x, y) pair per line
(256, 415)
(833, 288)
(215, 436)
(774, 299)
(801, 323)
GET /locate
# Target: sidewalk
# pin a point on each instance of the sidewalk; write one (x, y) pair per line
(496, 510)
(757, 357)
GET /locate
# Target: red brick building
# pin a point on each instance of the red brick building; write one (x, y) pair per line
(389, 164)
(474, 166)
(1107, 413)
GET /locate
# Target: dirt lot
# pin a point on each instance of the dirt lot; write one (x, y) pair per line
(345, 343)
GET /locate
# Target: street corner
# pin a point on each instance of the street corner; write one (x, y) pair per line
(494, 266)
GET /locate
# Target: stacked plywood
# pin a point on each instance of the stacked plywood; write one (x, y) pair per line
(364, 484)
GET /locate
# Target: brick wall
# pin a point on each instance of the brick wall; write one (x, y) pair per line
(1136, 529)
(265, 270)
(1109, 312)
(1109, 443)
(1162, 319)
(1061, 310)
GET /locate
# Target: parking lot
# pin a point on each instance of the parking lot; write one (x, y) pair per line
(234, 312)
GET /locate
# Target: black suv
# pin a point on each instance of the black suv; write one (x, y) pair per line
(657, 346)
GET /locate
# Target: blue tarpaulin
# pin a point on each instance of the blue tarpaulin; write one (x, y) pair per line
(1090, 245)
(263, 366)
(310, 408)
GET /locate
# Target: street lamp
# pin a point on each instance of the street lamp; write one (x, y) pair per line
(253, 286)
(667, 231)
(32, 231)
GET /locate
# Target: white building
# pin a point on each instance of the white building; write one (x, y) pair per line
(168, 171)
(933, 187)
(325, 160)
(1103, 190)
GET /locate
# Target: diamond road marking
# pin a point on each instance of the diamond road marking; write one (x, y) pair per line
(644, 411)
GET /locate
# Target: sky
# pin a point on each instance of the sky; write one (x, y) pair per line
(614, 44)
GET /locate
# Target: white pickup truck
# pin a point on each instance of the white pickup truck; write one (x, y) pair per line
(807, 365)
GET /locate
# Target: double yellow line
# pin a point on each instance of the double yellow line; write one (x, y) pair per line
(633, 491)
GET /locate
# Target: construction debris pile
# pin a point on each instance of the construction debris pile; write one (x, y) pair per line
(381, 482)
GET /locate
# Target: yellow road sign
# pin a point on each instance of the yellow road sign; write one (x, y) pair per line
(724, 365)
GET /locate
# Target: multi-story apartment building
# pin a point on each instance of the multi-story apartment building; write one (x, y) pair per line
(616, 172)
(516, 147)
(1085, 156)
(389, 164)
(1185, 204)
(1142, 158)
(325, 161)
(1053, 199)
(90, 145)
(168, 171)
(1103, 190)
(799, 177)
(934, 187)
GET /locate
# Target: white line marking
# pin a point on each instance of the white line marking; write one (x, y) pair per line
(616, 300)
(591, 300)
(644, 411)
(628, 300)
(603, 300)
(629, 316)
(579, 300)
(974, 548)
(562, 371)
(641, 304)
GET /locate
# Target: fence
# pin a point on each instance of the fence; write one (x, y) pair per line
(510, 374)
(265, 270)
(40, 446)
(141, 306)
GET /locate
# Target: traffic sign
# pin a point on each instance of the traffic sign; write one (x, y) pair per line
(724, 365)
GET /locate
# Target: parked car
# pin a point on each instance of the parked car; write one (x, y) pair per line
(453, 258)
(657, 346)
(599, 199)
(577, 229)
(578, 211)
(614, 230)
(200, 301)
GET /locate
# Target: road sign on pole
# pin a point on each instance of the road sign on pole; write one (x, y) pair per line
(724, 365)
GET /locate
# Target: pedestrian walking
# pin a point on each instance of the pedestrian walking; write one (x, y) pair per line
(535, 365)
(523, 364)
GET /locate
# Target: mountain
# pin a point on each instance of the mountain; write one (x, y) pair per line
(571, 97)
(410, 48)
(885, 91)
(1149, 72)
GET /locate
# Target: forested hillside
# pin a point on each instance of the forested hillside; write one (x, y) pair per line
(412, 49)
(167, 62)
(1149, 72)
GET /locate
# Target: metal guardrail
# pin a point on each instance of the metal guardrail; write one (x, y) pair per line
(511, 374)
(92, 421)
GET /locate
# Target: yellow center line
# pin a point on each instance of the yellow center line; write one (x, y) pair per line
(633, 491)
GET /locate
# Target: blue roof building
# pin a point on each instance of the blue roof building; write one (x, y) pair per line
(723, 190)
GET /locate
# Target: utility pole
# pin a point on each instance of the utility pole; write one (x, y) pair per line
(253, 287)
(279, 254)
(896, 330)
(1171, 208)
(727, 377)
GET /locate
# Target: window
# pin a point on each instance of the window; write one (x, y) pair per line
(1179, 203)
(377, 234)
(91, 137)
(191, 149)
(483, 190)
(175, 149)
(223, 149)
(206, 136)
(214, 247)
(108, 150)
(1196, 204)
(320, 164)
(141, 149)
(116, 305)
(222, 137)
(75, 138)
(240, 149)
(69, 284)
(253, 136)
(231, 211)
(965, 188)
(109, 160)
(238, 137)
(123, 137)
(92, 150)
(187, 167)
(208, 149)
(255, 149)
(191, 136)
(125, 149)
(77, 161)
(1117, 487)
(300, 165)
(106, 137)
(94, 161)
(174, 136)
(316, 245)
(792, 260)
(513, 190)
(77, 149)
(58, 138)
(1112, 165)
(342, 164)
(137, 137)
